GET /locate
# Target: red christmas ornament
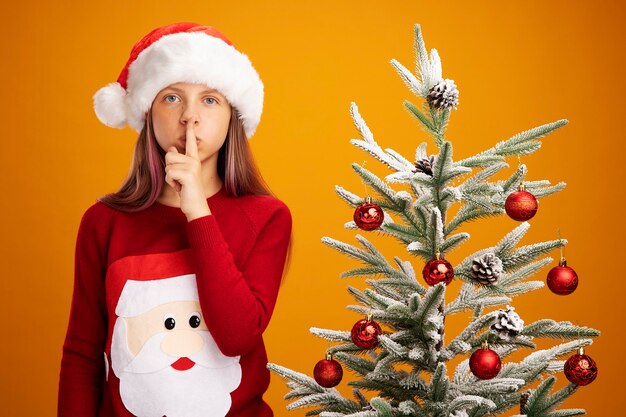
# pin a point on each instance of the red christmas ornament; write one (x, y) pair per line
(521, 205)
(580, 369)
(437, 270)
(485, 363)
(365, 333)
(562, 279)
(328, 372)
(368, 215)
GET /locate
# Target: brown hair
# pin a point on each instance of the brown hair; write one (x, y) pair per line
(235, 166)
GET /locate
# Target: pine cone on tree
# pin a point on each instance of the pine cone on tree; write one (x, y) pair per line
(443, 95)
(487, 269)
(523, 401)
(509, 323)
(425, 165)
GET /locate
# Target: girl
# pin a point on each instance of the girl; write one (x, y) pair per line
(177, 273)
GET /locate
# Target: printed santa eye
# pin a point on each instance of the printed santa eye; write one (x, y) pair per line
(169, 321)
(194, 320)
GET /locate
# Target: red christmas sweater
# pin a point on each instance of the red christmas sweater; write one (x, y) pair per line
(167, 315)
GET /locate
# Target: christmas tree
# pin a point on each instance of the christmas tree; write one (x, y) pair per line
(406, 364)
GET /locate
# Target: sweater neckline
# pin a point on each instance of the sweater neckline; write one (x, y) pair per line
(165, 211)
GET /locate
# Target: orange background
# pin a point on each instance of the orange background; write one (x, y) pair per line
(517, 64)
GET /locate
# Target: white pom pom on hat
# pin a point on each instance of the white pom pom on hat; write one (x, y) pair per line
(109, 105)
(180, 52)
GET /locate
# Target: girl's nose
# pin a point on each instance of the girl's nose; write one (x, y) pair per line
(189, 115)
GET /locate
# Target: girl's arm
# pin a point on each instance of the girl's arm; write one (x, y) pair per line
(82, 365)
(237, 305)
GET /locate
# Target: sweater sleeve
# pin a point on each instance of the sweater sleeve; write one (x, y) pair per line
(237, 305)
(82, 363)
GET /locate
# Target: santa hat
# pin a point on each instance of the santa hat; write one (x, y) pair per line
(181, 52)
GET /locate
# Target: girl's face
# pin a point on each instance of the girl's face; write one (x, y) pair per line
(180, 103)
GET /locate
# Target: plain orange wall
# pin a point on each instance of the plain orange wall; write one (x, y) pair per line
(518, 64)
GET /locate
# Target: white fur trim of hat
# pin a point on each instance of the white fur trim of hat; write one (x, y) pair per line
(138, 297)
(186, 56)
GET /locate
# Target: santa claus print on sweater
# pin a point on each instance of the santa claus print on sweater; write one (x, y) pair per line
(164, 360)
(237, 255)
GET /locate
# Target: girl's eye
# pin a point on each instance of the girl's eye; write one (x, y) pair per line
(172, 99)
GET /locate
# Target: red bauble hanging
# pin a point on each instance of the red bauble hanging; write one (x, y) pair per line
(365, 333)
(521, 205)
(437, 270)
(368, 215)
(485, 363)
(580, 369)
(328, 372)
(562, 279)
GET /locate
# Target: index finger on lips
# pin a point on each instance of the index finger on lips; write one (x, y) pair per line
(191, 148)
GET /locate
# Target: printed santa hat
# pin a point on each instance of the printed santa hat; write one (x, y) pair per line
(180, 52)
(139, 283)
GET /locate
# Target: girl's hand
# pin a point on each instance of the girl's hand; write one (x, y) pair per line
(183, 173)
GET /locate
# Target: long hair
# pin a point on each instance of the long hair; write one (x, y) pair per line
(236, 168)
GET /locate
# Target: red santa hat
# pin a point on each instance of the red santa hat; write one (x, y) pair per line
(180, 52)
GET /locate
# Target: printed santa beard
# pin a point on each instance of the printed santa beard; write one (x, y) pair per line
(151, 387)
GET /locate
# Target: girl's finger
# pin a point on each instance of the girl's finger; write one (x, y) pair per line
(168, 180)
(173, 183)
(177, 173)
(174, 157)
(191, 147)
